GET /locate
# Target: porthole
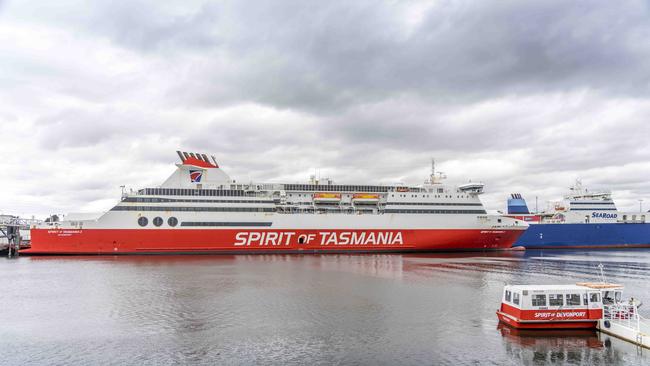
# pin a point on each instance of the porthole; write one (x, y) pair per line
(142, 221)
(172, 221)
(158, 221)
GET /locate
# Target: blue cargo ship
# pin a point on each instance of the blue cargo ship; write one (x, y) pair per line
(583, 220)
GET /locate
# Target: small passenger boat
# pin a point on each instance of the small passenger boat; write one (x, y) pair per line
(578, 306)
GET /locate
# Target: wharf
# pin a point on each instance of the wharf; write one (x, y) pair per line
(625, 322)
(14, 234)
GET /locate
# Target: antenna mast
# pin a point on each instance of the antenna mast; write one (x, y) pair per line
(602, 275)
(433, 170)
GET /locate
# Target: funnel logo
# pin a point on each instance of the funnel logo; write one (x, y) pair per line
(195, 176)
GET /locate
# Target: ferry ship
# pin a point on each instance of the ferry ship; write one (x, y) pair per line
(200, 209)
(583, 219)
(578, 306)
(585, 305)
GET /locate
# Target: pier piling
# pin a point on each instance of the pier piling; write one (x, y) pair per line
(10, 235)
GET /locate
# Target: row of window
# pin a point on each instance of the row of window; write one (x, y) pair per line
(157, 221)
(593, 209)
(512, 297)
(427, 196)
(209, 209)
(213, 223)
(436, 211)
(433, 204)
(156, 199)
(540, 300)
(270, 209)
(335, 188)
(565, 299)
(172, 221)
(191, 192)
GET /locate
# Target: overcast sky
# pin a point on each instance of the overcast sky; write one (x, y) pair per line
(525, 96)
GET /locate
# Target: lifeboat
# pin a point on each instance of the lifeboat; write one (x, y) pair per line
(327, 197)
(476, 188)
(578, 306)
(365, 198)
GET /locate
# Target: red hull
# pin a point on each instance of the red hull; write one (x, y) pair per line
(516, 323)
(549, 319)
(127, 241)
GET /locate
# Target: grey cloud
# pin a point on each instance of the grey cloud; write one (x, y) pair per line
(327, 56)
(523, 95)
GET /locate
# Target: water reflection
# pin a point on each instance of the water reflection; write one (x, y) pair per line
(296, 309)
(579, 347)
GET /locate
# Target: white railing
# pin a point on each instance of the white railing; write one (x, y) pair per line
(626, 315)
(627, 323)
(7, 220)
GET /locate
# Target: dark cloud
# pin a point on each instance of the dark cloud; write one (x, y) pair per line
(526, 96)
(321, 57)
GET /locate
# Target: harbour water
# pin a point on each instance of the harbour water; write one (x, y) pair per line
(424, 309)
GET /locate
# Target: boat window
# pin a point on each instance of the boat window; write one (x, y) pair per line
(584, 299)
(539, 300)
(608, 297)
(142, 221)
(515, 298)
(595, 297)
(157, 221)
(556, 299)
(508, 296)
(172, 221)
(617, 296)
(572, 299)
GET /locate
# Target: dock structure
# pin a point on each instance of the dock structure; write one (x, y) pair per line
(11, 239)
(624, 321)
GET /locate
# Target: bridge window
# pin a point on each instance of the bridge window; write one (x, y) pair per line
(572, 299)
(556, 299)
(539, 300)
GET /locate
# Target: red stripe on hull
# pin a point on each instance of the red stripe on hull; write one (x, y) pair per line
(124, 241)
(549, 315)
(505, 319)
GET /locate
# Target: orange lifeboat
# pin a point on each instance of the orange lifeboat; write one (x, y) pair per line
(327, 197)
(365, 197)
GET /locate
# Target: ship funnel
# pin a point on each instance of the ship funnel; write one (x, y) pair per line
(197, 159)
(517, 205)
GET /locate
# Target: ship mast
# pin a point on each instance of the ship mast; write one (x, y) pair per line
(433, 179)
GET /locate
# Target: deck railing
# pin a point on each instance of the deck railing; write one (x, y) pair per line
(628, 316)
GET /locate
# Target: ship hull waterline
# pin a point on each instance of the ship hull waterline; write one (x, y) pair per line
(237, 241)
